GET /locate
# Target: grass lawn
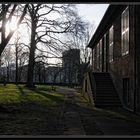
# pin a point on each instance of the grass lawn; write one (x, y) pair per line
(30, 112)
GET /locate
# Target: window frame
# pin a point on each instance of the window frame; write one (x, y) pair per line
(100, 53)
(111, 44)
(125, 17)
(98, 56)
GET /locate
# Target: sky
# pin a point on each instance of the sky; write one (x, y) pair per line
(92, 13)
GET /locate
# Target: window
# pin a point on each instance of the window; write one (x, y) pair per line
(105, 48)
(111, 34)
(125, 32)
(98, 56)
(105, 53)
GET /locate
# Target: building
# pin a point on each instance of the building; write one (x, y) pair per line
(70, 63)
(115, 49)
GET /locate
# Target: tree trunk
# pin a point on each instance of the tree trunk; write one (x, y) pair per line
(5, 40)
(44, 75)
(39, 73)
(31, 64)
(8, 73)
(16, 78)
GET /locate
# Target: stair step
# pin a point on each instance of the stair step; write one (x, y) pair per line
(102, 99)
(108, 101)
(104, 89)
(109, 83)
(106, 98)
(109, 88)
(104, 78)
(103, 82)
(107, 105)
(106, 94)
(101, 75)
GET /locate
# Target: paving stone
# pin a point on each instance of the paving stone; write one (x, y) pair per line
(79, 120)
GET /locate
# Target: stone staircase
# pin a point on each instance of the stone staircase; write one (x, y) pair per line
(106, 94)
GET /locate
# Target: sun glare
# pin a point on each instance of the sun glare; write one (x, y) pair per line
(12, 25)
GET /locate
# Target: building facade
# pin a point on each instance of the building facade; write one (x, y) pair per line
(116, 49)
(70, 64)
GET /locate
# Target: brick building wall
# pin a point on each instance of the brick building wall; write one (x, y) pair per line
(124, 69)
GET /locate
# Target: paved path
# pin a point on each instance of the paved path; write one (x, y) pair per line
(80, 119)
(72, 121)
(111, 125)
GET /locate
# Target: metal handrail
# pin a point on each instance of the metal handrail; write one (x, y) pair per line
(93, 84)
(95, 89)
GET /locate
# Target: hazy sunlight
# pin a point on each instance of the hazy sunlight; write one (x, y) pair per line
(12, 25)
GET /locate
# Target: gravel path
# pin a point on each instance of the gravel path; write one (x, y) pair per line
(79, 118)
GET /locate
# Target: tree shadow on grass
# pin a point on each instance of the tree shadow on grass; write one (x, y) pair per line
(48, 95)
(47, 88)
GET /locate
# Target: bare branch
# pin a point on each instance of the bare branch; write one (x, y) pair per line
(44, 56)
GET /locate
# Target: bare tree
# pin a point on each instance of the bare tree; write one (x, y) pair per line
(46, 30)
(6, 14)
(80, 42)
(8, 59)
(17, 50)
(23, 60)
(21, 57)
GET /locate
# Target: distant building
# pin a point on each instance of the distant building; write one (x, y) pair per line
(70, 63)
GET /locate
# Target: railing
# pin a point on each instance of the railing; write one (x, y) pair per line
(93, 84)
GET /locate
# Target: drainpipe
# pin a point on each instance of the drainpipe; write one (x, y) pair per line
(135, 59)
(92, 60)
